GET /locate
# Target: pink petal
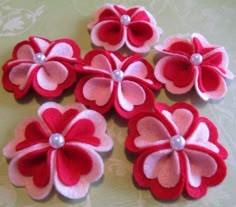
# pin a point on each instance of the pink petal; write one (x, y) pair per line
(42, 44)
(199, 164)
(181, 119)
(51, 75)
(61, 49)
(20, 73)
(178, 80)
(26, 52)
(201, 136)
(138, 69)
(80, 189)
(151, 131)
(98, 90)
(163, 165)
(130, 94)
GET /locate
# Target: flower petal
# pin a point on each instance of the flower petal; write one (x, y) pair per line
(199, 164)
(176, 73)
(151, 131)
(41, 44)
(98, 89)
(130, 94)
(24, 51)
(163, 165)
(80, 189)
(51, 75)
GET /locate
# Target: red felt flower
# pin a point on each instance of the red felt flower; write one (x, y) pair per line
(177, 151)
(115, 26)
(193, 63)
(44, 65)
(111, 79)
(59, 148)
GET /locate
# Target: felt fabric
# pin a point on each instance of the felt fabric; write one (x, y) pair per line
(113, 80)
(38, 164)
(115, 26)
(44, 65)
(179, 70)
(166, 170)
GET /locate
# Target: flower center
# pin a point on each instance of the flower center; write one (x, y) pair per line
(39, 58)
(125, 19)
(196, 59)
(177, 142)
(56, 140)
(117, 75)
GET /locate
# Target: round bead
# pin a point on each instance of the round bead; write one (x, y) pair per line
(117, 75)
(125, 19)
(177, 142)
(39, 58)
(196, 59)
(56, 140)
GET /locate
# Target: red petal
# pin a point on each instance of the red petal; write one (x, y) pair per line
(184, 48)
(57, 121)
(199, 48)
(140, 16)
(111, 32)
(72, 162)
(36, 164)
(138, 33)
(179, 71)
(209, 79)
(214, 59)
(34, 134)
(82, 131)
(108, 14)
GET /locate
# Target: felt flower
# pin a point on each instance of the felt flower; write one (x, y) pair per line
(111, 79)
(115, 26)
(41, 64)
(193, 63)
(177, 150)
(58, 148)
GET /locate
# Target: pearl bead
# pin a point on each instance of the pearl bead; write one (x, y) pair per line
(117, 75)
(56, 140)
(125, 19)
(196, 59)
(39, 58)
(177, 142)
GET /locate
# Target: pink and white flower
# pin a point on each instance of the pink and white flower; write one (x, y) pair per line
(58, 148)
(113, 80)
(177, 150)
(193, 63)
(115, 26)
(41, 64)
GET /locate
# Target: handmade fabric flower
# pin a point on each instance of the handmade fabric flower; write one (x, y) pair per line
(115, 26)
(195, 63)
(177, 151)
(44, 65)
(115, 80)
(59, 148)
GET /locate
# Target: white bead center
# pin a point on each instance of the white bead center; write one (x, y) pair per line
(117, 75)
(177, 142)
(196, 59)
(56, 140)
(39, 58)
(125, 19)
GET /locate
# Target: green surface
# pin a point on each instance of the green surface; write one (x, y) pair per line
(57, 19)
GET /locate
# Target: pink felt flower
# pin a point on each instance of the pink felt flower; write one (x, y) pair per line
(193, 63)
(44, 65)
(177, 150)
(111, 79)
(58, 148)
(115, 26)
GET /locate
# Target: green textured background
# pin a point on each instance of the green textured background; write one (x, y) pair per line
(215, 19)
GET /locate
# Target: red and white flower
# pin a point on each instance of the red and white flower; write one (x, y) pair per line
(115, 26)
(111, 79)
(44, 65)
(193, 63)
(58, 148)
(177, 150)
